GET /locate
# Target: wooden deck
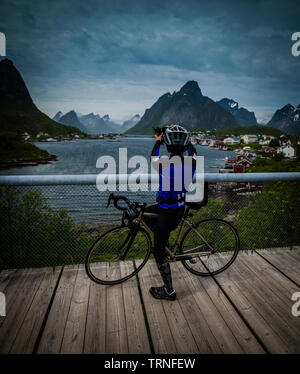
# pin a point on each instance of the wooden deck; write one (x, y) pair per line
(246, 309)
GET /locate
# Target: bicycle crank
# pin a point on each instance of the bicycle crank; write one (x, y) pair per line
(182, 257)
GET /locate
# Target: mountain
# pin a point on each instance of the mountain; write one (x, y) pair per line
(112, 126)
(71, 119)
(287, 119)
(95, 124)
(189, 107)
(130, 122)
(57, 116)
(18, 113)
(242, 115)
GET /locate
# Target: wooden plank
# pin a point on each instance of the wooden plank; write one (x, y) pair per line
(31, 326)
(226, 326)
(54, 330)
(284, 262)
(239, 329)
(230, 282)
(161, 335)
(280, 284)
(73, 338)
(259, 298)
(276, 320)
(277, 303)
(19, 295)
(194, 314)
(286, 251)
(95, 330)
(294, 251)
(116, 332)
(179, 326)
(138, 341)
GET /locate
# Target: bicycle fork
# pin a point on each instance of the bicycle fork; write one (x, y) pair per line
(131, 236)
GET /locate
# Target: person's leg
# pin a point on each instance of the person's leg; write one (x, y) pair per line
(151, 221)
(161, 237)
(167, 221)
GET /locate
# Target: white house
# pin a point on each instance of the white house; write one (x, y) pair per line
(212, 142)
(268, 137)
(249, 138)
(42, 134)
(287, 150)
(264, 142)
(231, 140)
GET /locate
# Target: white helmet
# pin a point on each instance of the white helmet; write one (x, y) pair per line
(176, 135)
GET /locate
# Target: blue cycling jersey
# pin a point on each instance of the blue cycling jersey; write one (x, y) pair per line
(174, 179)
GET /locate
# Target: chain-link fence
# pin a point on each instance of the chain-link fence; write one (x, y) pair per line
(50, 225)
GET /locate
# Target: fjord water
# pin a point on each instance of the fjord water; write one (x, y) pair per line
(80, 157)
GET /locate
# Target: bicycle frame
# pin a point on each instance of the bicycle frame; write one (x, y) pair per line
(133, 223)
(184, 222)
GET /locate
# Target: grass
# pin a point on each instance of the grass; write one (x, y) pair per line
(255, 130)
(267, 165)
(21, 118)
(11, 148)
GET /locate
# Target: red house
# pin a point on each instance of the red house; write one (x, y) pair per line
(244, 162)
(238, 168)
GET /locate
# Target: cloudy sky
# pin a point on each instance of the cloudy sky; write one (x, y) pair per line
(119, 56)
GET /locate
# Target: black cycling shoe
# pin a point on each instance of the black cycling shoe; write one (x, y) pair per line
(161, 293)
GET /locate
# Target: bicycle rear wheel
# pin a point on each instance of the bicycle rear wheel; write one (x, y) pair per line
(111, 259)
(213, 245)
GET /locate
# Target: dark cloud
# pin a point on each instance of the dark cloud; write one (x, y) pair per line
(140, 49)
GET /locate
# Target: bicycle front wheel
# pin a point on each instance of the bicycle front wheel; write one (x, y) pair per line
(111, 259)
(213, 245)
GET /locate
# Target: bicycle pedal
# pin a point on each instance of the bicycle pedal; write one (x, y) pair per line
(192, 261)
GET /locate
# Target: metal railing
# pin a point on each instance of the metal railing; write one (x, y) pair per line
(51, 220)
(90, 179)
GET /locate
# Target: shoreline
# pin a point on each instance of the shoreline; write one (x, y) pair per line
(11, 164)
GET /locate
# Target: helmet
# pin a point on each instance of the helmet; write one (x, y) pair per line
(175, 135)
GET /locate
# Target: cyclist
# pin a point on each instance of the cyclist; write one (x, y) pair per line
(170, 203)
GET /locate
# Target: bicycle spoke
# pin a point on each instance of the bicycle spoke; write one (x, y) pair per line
(208, 240)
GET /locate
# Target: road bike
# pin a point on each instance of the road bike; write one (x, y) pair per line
(205, 248)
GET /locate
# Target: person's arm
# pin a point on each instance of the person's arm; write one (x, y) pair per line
(155, 151)
(191, 151)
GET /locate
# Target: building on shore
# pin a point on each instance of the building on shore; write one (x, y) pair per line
(232, 140)
(287, 150)
(248, 138)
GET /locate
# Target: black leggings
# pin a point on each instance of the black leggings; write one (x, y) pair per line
(162, 226)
